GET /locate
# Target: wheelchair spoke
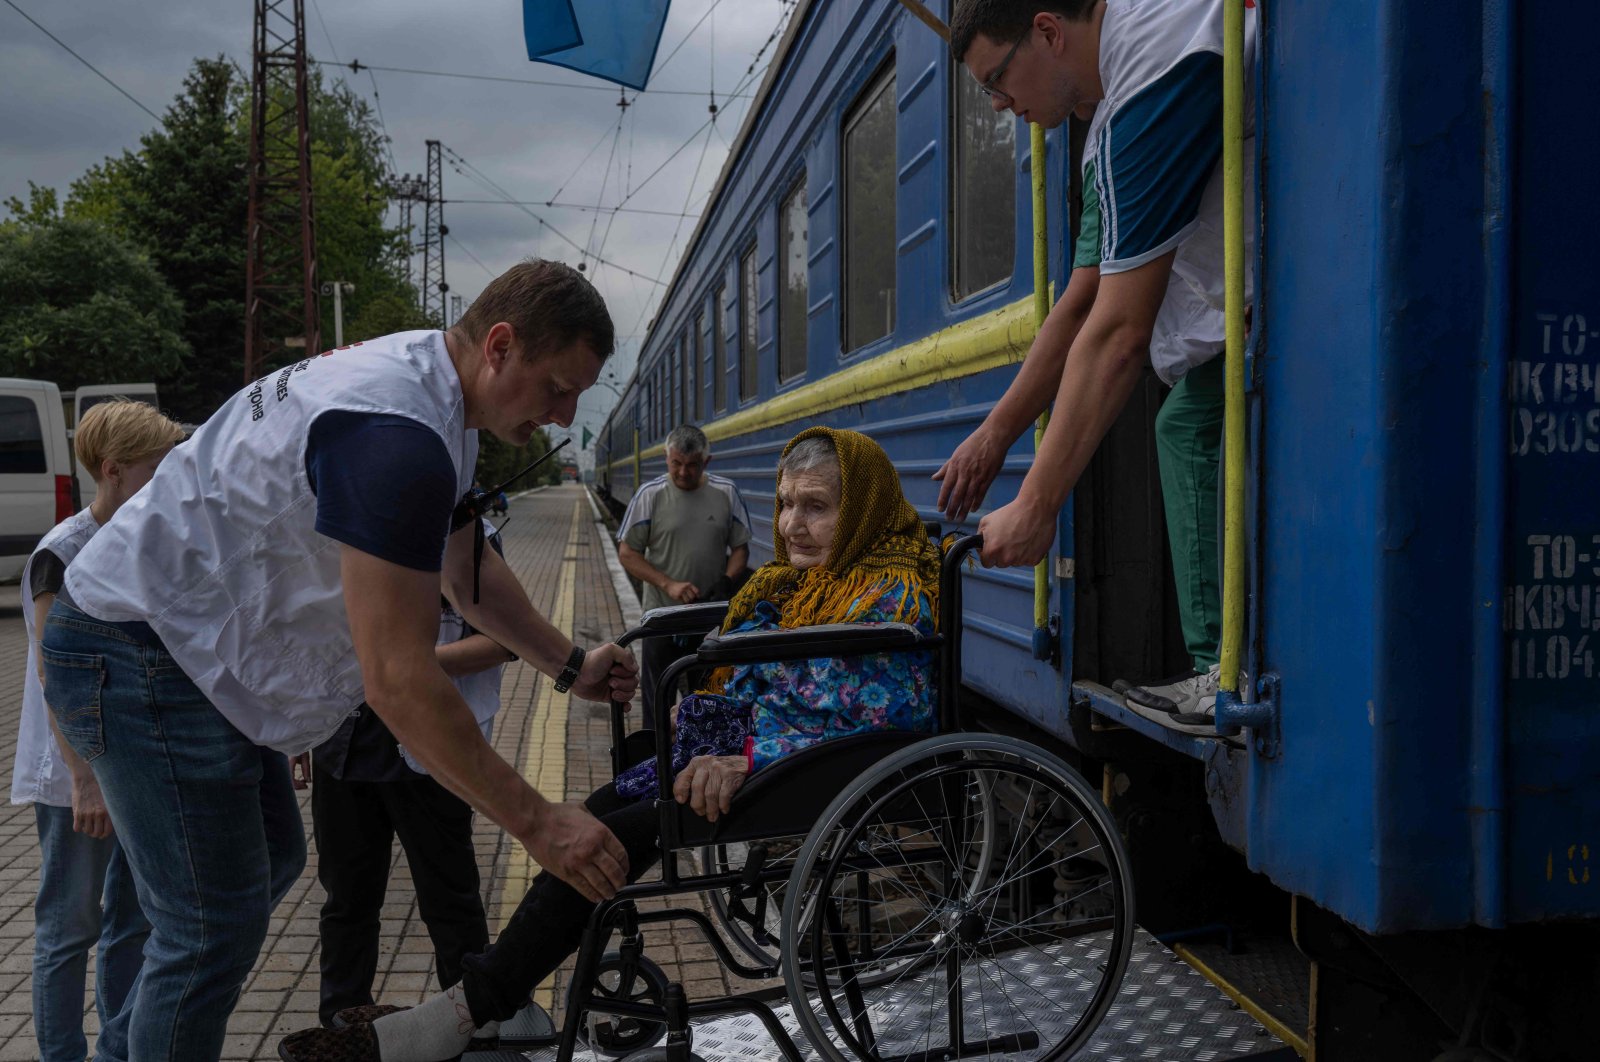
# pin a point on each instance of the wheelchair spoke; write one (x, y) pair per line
(1011, 1003)
(970, 879)
(1028, 868)
(1032, 920)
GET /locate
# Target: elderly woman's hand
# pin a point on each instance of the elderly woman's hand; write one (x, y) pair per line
(707, 785)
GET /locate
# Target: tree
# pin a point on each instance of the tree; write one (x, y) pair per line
(183, 195)
(498, 461)
(40, 208)
(81, 305)
(385, 314)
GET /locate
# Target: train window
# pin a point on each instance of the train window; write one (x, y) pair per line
(983, 207)
(696, 367)
(719, 352)
(792, 274)
(868, 229)
(747, 324)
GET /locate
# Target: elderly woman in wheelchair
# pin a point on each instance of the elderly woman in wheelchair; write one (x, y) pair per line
(821, 694)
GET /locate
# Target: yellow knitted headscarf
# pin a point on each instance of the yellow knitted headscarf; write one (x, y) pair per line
(879, 541)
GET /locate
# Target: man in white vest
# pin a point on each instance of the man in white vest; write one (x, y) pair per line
(284, 565)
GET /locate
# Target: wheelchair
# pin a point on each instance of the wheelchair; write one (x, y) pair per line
(923, 896)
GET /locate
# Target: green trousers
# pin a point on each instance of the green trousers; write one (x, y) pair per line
(1189, 445)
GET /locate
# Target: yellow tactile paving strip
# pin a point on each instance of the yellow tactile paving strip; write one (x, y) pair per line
(544, 764)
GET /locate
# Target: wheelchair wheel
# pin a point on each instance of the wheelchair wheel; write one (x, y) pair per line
(615, 1035)
(753, 918)
(908, 950)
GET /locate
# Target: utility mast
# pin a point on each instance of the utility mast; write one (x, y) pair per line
(409, 191)
(433, 290)
(281, 317)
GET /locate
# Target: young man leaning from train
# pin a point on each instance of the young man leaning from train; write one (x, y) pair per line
(1150, 85)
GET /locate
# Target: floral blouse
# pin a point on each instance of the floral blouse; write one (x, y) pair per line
(767, 711)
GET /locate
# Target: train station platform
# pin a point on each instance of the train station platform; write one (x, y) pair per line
(554, 545)
(558, 547)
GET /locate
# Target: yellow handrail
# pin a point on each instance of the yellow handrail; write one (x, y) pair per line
(1233, 567)
(1041, 308)
(637, 483)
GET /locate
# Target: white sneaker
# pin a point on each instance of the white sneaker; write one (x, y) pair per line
(1191, 695)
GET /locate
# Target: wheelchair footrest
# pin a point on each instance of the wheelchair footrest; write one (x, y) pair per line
(531, 1026)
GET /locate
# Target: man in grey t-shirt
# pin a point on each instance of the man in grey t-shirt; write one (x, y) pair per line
(686, 537)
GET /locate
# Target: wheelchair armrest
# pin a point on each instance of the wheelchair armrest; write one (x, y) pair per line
(806, 643)
(678, 619)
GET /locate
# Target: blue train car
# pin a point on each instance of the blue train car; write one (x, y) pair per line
(1423, 792)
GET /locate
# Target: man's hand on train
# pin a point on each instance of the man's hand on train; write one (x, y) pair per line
(577, 848)
(1018, 534)
(609, 673)
(964, 479)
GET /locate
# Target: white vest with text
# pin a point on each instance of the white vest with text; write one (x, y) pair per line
(220, 554)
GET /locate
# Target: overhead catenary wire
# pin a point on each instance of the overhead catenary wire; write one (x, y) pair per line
(558, 205)
(464, 250)
(357, 65)
(96, 70)
(685, 39)
(468, 170)
(582, 163)
(737, 93)
(377, 100)
(677, 228)
(595, 220)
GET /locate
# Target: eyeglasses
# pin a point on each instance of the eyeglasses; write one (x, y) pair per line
(990, 85)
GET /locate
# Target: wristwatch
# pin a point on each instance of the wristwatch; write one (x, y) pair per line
(569, 674)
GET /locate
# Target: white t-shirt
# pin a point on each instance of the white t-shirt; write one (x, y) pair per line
(1154, 158)
(39, 775)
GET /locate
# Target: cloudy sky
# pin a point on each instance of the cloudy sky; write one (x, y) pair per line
(57, 119)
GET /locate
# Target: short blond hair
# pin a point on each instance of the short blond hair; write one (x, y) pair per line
(123, 431)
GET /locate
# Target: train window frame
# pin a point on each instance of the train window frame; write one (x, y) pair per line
(749, 322)
(719, 351)
(954, 170)
(879, 87)
(796, 187)
(701, 407)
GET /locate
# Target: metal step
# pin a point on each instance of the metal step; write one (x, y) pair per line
(1165, 1012)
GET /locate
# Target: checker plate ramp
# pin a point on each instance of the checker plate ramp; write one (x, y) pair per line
(1165, 1012)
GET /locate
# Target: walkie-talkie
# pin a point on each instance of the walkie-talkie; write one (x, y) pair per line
(475, 503)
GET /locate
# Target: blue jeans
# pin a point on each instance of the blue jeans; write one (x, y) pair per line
(209, 822)
(75, 872)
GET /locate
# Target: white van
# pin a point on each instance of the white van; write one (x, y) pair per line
(85, 399)
(36, 484)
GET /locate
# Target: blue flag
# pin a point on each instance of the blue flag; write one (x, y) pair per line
(611, 39)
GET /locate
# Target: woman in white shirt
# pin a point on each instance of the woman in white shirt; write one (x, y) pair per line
(121, 443)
